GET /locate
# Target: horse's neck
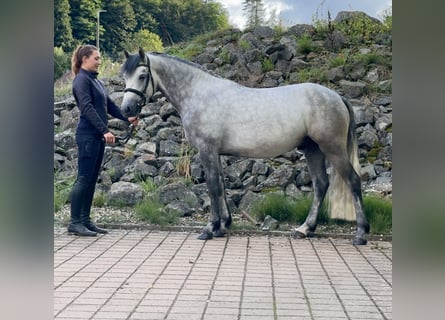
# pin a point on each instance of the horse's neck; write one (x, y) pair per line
(177, 80)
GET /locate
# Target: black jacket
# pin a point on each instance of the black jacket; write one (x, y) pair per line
(94, 104)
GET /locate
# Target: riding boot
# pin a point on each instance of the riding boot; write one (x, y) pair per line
(76, 225)
(85, 213)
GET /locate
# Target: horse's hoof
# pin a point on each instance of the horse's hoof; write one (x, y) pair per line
(219, 233)
(359, 241)
(298, 235)
(205, 235)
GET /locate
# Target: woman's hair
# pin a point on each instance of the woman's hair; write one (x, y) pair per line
(81, 51)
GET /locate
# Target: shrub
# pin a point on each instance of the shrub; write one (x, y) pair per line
(149, 41)
(62, 62)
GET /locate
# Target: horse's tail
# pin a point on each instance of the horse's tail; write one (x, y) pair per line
(340, 199)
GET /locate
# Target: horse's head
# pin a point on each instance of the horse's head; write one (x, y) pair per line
(138, 82)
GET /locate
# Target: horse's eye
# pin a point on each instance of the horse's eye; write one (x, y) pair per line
(142, 77)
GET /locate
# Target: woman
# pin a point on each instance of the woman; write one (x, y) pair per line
(91, 135)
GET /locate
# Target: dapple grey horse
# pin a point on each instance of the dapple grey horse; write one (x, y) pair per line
(221, 117)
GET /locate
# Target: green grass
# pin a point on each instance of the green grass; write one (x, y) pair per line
(267, 65)
(313, 74)
(295, 210)
(284, 208)
(379, 214)
(152, 211)
(304, 44)
(62, 189)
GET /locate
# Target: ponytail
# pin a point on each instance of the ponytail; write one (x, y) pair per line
(81, 51)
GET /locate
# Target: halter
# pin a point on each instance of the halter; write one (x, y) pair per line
(143, 99)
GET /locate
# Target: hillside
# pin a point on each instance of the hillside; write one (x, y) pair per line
(357, 66)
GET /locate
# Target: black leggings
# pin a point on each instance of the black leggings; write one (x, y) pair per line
(90, 155)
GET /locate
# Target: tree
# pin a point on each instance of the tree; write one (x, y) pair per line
(254, 12)
(119, 23)
(145, 12)
(83, 19)
(63, 33)
(182, 20)
(149, 41)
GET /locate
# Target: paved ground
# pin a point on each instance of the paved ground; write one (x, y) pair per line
(130, 274)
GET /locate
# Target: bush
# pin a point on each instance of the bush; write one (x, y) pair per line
(149, 41)
(62, 62)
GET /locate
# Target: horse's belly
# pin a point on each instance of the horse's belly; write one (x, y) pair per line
(261, 145)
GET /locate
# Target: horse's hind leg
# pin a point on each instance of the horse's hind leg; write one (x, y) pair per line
(317, 169)
(220, 218)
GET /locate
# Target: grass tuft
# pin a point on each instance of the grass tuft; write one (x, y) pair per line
(152, 211)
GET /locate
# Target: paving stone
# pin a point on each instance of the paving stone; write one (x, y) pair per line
(143, 274)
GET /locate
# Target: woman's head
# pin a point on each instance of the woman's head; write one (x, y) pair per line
(85, 56)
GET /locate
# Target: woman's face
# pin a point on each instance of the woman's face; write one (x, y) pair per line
(92, 62)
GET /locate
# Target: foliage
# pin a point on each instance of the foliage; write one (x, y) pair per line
(119, 23)
(108, 68)
(312, 74)
(148, 40)
(63, 33)
(267, 65)
(285, 208)
(62, 62)
(184, 161)
(99, 199)
(224, 55)
(123, 23)
(183, 20)
(379, 214)
(148, 185)
(62, 189)
(294, 210)
(338, 60)
(188, 52)
(151, 210)
(254, 12)
(304, 44)
(360, 29)
(83, 15)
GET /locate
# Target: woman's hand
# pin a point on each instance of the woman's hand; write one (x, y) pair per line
(109, 138)
(133, 120)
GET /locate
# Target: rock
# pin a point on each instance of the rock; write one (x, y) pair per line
(157, 145)
(269, 224)
(125, 193)
(353, 89)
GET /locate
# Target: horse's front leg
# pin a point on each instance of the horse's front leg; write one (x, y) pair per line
(220, 218)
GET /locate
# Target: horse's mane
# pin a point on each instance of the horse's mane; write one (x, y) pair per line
(133, 61)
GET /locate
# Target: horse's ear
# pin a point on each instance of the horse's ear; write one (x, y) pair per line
(126, 54)
(141, 53)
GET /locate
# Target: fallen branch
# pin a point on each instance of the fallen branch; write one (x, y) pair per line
(248, 217)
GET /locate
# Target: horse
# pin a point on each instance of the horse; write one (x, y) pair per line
(222, 117)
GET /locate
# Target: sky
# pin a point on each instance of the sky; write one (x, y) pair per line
(294, 12)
